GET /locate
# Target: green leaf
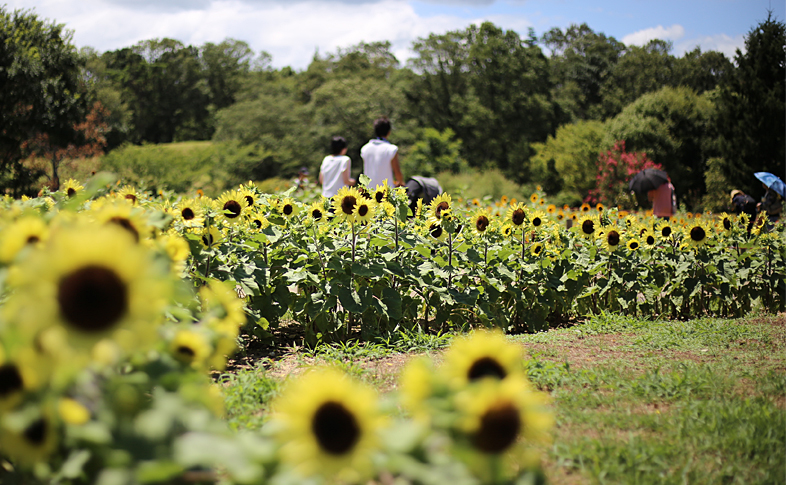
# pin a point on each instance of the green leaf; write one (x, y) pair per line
(350, 300)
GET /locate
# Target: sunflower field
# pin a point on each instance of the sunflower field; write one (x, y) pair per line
(115, 305)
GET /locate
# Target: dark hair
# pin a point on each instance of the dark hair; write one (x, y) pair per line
(382, 127)
(337, 144)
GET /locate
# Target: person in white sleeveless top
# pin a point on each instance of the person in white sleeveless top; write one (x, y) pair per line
(336, 168)
(380, 157)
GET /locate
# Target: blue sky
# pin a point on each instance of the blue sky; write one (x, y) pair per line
(293, 30)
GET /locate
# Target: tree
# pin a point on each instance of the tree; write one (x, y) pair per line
(702, 71)
(751, 108)
(90, 141)
(640, 70)
(434, 152)
(41, 91)
(574, 150)
(488, 86)
(581, 62)
(225, 66)
(674, 128)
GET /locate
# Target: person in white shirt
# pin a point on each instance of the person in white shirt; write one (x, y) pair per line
(380, 157)
(336, 168)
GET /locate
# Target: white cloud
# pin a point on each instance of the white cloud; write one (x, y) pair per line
(721, 43)
(641, 37)
(290, 31)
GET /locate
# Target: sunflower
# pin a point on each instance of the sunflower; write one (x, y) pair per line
(726, 223)
(633, 245)
(438, 204)
(760, 224)
(29, 437)
(664, 230)
(648, 239)
(502, 420)
(507, 230)
(696, 234)
(585, 207)
(121, 213)
(91, 283)
(587, 226)
(534, 198)
(316, 212)
(344, 203)
(177, 249)
(328, 425)
(27, 231)
(222, 308)
(537, 220)
(71, 187)
(517, 214)
(190, 348)
(211, 236)
(128, 193)
(232, 206)
(189, 213)
(257, 221)
(483, 354)
(560, 215)
(19, 375)
(599, 207)
(480, 222)
(248, 195)
(536, 249)
(611, 240)
(288, 208)
(364, 210)
(380, 194)
(436, 231)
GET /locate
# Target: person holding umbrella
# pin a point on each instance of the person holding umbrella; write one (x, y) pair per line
(772, 202)
(657, 185)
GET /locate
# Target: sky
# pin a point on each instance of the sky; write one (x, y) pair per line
(292, 31)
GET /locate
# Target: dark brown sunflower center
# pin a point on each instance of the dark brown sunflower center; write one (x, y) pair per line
(207, 239)
(249, 200)
(127, 225)
(436, 231)
(335, 428)
(727, 223)
(634, 245)
(666, 231)
(70, 192)
(482, 223)
(131, 197)
(33, 239)
(486, 367)
(316, 214)
(499, 427)
(257, 223)
(698, 234)
(288, 209)
(537, 221)
(518, 217)
(10, 380)
(362, 210)
(233, 207)
(92, 298)
(441, 207)
(650, 240)
(588, 227)
(613, 238)
(348, 204)
(187, 213)
(537, 249)
(379, 197)
(36, 432)
(185, 350)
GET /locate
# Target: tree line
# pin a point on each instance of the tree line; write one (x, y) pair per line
(540, 109)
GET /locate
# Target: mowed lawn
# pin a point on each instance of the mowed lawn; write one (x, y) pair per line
(636, 401)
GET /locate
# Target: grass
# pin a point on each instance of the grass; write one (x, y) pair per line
(636, 400)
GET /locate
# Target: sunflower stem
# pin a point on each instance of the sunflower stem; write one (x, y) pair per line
(450, 259)
(319, 253)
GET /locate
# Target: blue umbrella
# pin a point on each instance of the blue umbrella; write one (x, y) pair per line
(772, 181)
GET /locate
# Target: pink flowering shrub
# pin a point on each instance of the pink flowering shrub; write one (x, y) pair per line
(615, 169)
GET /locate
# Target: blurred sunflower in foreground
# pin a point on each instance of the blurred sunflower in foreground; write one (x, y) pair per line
(327, 424)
